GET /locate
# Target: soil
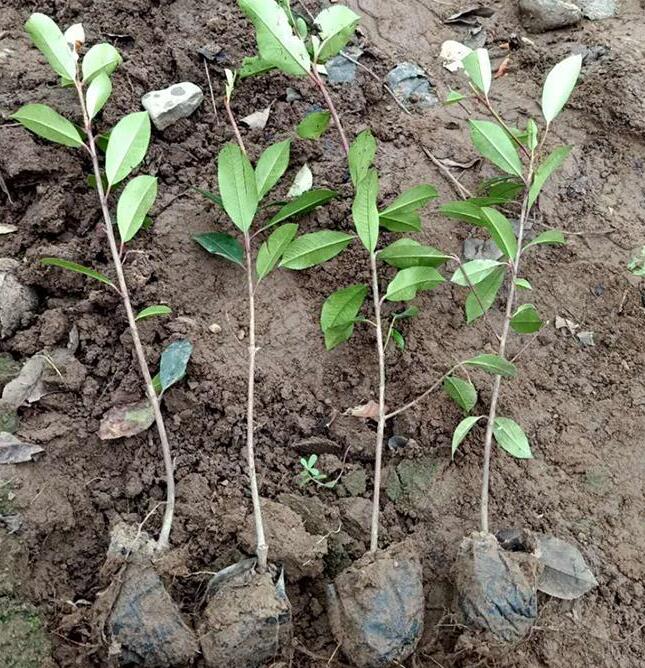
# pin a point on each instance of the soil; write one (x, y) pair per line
(582, 406)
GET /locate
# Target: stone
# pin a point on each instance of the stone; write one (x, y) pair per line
(171, 104)
(17, 302)
(411, 85)
(596, 10)
(342, 70)
(544, 15)
(356, 515)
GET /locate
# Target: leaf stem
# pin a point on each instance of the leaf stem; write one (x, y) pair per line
(233, 122)
(164, 534)
(320, 84)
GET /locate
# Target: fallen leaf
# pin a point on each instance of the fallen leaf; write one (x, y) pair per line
(367, 411)
(449, 162)
(28, 386)
(126, 420)
(452, 53)
(7, 229)
(302, 183)
(14, 451)
(586, 338)
(503, 68)
(470, 14)
(258, 119)
(566, 574)
(569, 325)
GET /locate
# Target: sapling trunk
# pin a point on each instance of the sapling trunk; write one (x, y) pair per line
(164, 534)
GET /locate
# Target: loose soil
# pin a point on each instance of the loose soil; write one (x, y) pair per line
(582, 407)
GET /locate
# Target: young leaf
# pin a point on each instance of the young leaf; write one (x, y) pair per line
(174, 360)
(334, 336)
(405, 285)
(78, 268)
(45, 122)
(237, 186)
(314, 248)
(494, 144)
(307, 202)
(477, 66)
(551, 237)
(127, 146)
(493, 364)
(548, 166)
(365, 211)
(98, 93)
(461, 391)
(453, 97)
(531, 135)
(526, 320)
(399, 339)
(484, 295)
(406, 253)
(337, 25)
(462, 430)
(361, 156)
(501, 230)
(100, 58)
(474, 272)
(135, 202)
(410, 312)
(254, 65)
(313, 125)
(302, 182)
(559, 85)
(212, 197)
(127, 420)
(401, 222)
(341, 307)
(523, 284)
(277, 43)
(510, 436)
(152, 311)
(48, 38)
(271, 166)
(223, 245)
(466, 211)
(272, 249)
(402, 213)
(504, 188)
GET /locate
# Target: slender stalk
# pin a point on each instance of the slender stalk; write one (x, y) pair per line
(502, 353)
(380, 430)
(164, 534)
(236, 129)
(320, 84)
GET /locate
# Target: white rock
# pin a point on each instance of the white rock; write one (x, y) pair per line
(167, 106)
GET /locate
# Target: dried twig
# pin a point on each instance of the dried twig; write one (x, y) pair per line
(461, 190)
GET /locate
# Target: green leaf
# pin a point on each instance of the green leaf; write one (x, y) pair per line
(361, 156)
(224, 245)
(401, 222)
(277, 43)
(531, 135)
(100, 58)
(484, 294)
(365, 211)
(156, 385)
(102, 141)
(135, 202)
(307, 202)
(237, 186)
(462, 392)
(271, 166)
(493, 364)
(337, 25)
(503, 188)
(477, 66)
(559, 85)
(526, 320)
(548, 166)
(636, 264)
(453, 97)
(510, 436)
(98, 93)
(407, 203)
(78, 268)
(523, 284)
(462, 430)
(466, 211)
(152, 311)
(313, 125)
(334, 336)
(550, 237)
(212, 197)
(45, 122)
(410, 312)
(127, 146)
(174, 360)
(474, 271)
(341, 307)
(405, 285)
(501, 230)
(48, 38)
(494, 144)
(254, 65)
(406, 253)
(399, 339)
(314, 248)
(272, 249)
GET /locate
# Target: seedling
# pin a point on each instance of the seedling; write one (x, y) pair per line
(311, 473)
(124, 151)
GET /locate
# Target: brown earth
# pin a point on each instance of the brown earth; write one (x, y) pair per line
(582, 407)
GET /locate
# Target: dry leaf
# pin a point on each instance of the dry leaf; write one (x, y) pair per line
(367, 411)
(7, 229)
(302, 183)
(449, 162)
(452, 53)
(28, 386)
(468, 16)
(14, 451)
(127, 420)
(258, 119)
(503, 68)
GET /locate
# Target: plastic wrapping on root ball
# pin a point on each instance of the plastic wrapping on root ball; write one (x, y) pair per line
(496, 589)
(247, 622)
(376, 607)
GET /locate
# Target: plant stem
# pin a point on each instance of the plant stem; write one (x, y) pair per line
(236, 129)
(380, 430)
(164, 534)
(261, 548)
(502, 352)
(320, 84)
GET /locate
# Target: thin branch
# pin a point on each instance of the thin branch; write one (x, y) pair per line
(236, 129)
(461, 190)
(320, 84)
